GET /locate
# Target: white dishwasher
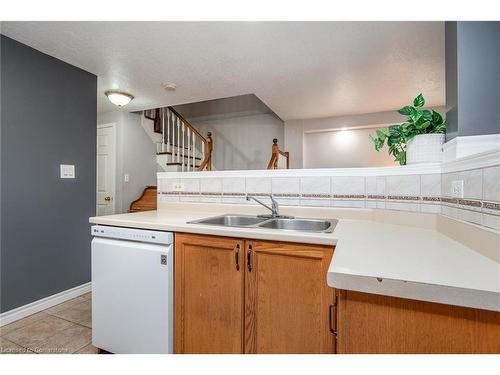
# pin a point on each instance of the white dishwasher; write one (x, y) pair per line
(132, 290)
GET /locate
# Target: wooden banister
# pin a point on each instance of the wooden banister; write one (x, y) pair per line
(176, 130)
(188, 124)
(275, 154)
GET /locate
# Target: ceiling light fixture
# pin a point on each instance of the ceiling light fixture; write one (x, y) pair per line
(119, 98)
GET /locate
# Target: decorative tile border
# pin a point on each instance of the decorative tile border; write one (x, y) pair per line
(403, 197)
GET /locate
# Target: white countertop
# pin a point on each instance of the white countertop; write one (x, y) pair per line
(370, 256)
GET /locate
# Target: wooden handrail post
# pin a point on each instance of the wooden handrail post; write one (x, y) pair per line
(275, 154)
(207, 160)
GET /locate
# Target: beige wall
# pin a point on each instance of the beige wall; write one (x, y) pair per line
(295, 131)
(343, 148)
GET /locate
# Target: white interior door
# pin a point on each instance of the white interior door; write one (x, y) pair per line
(106, 160)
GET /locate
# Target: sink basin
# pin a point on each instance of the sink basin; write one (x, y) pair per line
(302, 225)
(231, 220)
(291, 224)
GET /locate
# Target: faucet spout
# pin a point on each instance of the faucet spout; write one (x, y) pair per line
(274, 208)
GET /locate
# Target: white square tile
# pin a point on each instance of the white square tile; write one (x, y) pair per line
(353, 203)
(315, 202)
(491, 184)
(191, 185)
(403, 185)
(430, 185)
(470, 216)
(347, 185)
(430, 208)
(233, 185)
(315, 185)
(473, 183)
(375, 185)
(285, 185)
(446, 180)
(211, 185)
(402, 206)
(258, 185)
(491, 221)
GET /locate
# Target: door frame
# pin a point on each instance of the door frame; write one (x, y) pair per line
(111, 125)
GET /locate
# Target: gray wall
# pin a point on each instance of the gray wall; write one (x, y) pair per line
(48, 118)
(242, 142)
(135, 156)
(473, 78)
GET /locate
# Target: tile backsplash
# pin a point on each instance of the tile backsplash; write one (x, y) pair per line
(429, 192)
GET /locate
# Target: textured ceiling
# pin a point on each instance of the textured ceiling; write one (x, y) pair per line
(299, 69)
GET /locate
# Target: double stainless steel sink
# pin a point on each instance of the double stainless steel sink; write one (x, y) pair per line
(280, 223)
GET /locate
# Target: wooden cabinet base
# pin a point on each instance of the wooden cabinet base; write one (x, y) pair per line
(369, 323)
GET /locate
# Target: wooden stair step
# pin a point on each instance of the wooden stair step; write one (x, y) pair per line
(186, 165)
(171, 153)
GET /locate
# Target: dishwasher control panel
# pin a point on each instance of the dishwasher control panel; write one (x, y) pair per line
(132, 234)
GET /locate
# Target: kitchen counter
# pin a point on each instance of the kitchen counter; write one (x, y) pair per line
(373, 254)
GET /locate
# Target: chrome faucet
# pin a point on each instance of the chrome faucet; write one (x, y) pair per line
(275, 208)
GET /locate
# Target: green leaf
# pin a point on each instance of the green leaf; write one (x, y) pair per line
(437, 118)
(381, 135)
(427, 115)
(415, 114)
(423, 125)
(405, 111)
(419, 101)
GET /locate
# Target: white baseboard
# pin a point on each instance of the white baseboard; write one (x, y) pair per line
(43, 304)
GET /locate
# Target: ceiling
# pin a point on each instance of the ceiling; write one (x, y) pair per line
(234, 106)
(298, 69)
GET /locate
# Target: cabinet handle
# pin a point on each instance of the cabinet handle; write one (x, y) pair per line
(332, 317)
(249, 258)
(237, 256)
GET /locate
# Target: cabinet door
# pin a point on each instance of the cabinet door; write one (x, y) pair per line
(208, 294)
(287, 299)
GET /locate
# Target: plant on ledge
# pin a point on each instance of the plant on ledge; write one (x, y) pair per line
(419, 121)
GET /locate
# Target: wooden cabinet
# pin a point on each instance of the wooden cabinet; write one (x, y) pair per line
(237, 296)
(369, 323)
(287, 298)
(209, 293)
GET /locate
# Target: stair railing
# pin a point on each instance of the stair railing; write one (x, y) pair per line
(275, 155)
(181, 139)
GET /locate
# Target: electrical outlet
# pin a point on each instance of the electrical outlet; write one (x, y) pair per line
(178, 186)
(457, 189)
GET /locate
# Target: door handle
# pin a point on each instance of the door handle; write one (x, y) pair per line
(249, 258)
(237, 256)
(332, 317)
(107, 199)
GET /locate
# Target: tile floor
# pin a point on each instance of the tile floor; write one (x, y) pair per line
(62, 329)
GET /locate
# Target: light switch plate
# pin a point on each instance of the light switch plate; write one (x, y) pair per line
(457, 189)
(126, 177)
(67, 171)
(178, 186)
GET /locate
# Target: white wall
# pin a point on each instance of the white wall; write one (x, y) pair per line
(343, 149)
(135, 156)
(241, 142)
(295, 130)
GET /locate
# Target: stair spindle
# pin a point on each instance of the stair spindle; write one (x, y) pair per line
(168, 130)
(188, 148)
(178, 140)
(194, 153)
(183, 146)
(163, 130)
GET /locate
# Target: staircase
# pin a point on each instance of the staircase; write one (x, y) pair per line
(179, 146)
